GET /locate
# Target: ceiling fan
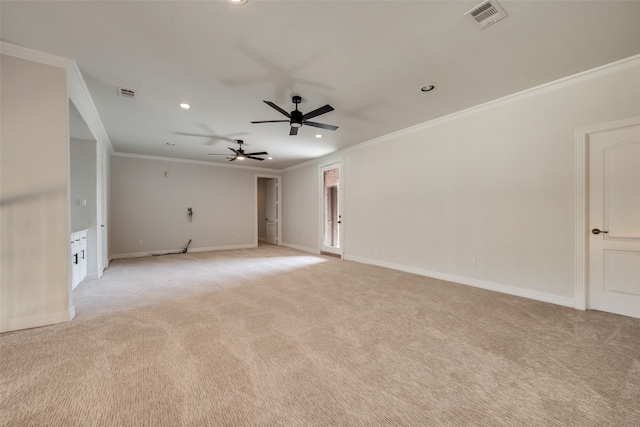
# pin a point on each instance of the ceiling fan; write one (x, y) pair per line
(297, 119)
(241, 155)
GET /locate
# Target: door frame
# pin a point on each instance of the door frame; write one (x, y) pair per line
(279, 209)
(581, 233)
(330, 165)
(102, 182)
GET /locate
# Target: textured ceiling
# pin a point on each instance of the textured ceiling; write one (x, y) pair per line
(368, 59)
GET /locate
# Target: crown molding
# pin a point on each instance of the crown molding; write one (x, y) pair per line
(537, 90)
(77, 89)
(195, 162)
(79, 94)
(22, 52)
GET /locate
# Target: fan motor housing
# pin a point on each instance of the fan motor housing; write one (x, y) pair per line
(296, 118)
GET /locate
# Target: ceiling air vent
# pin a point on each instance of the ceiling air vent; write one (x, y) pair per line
(487, 13)
(128, 93)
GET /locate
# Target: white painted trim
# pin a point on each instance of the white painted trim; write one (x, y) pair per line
(79, 94)
(22, 52)
(16, 324)
(301, 248)
(581, 276)
(483, 284)
(77, 89)
(543, 88)
(203, 249)
(196, 162)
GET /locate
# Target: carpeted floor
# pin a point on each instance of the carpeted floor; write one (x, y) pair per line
(273, 336)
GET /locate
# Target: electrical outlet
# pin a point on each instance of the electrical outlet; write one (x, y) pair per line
(472, 262)
(375, 248)
(140, 242)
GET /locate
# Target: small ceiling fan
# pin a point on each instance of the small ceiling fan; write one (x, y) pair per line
(241, 155)
(297, 119)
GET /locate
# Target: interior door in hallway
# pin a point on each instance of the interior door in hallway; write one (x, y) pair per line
(614, 219)
(271, 201)
(331, 227)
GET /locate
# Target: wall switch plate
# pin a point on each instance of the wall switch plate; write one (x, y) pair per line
(472, 262)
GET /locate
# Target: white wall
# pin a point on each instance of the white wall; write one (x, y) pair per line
(147, 206)
(300, 205)
(83, 186)
(495, 183)
(34, 287)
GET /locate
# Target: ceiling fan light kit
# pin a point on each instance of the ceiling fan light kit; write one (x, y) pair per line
(297, 119)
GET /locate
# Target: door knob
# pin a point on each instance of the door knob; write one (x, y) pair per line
(597, 231)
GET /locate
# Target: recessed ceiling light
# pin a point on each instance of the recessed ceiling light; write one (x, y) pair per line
(427, 88)
(237, 1)
(318, 136)
(185, 105)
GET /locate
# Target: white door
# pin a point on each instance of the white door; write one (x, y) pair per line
(271, 200)
(331, 235)
(614, 221)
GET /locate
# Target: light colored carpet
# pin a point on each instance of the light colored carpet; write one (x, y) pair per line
(273, 336)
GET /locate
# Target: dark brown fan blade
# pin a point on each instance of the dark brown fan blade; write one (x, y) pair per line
(272, 105)
(321, 125)
(254, 158)
(293, 131)
(234, 150)
(215, 154)
(317, 112)
(232, 159)
(262, 153)
(271, 121)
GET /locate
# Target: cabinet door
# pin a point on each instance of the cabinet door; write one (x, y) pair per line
(82, 257)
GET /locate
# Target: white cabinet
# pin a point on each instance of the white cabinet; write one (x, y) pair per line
(78, 257)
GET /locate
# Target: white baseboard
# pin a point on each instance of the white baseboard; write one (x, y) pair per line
(301, 248)
(483, 284)
(37, 321)
(162, 252)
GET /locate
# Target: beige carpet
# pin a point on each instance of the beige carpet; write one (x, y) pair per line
(273, 336)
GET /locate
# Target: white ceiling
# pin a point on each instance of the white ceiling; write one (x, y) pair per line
(368, 59)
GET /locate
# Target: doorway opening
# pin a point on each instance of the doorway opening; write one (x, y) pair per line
(84, 194)
(331, 234)
(268, 210)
